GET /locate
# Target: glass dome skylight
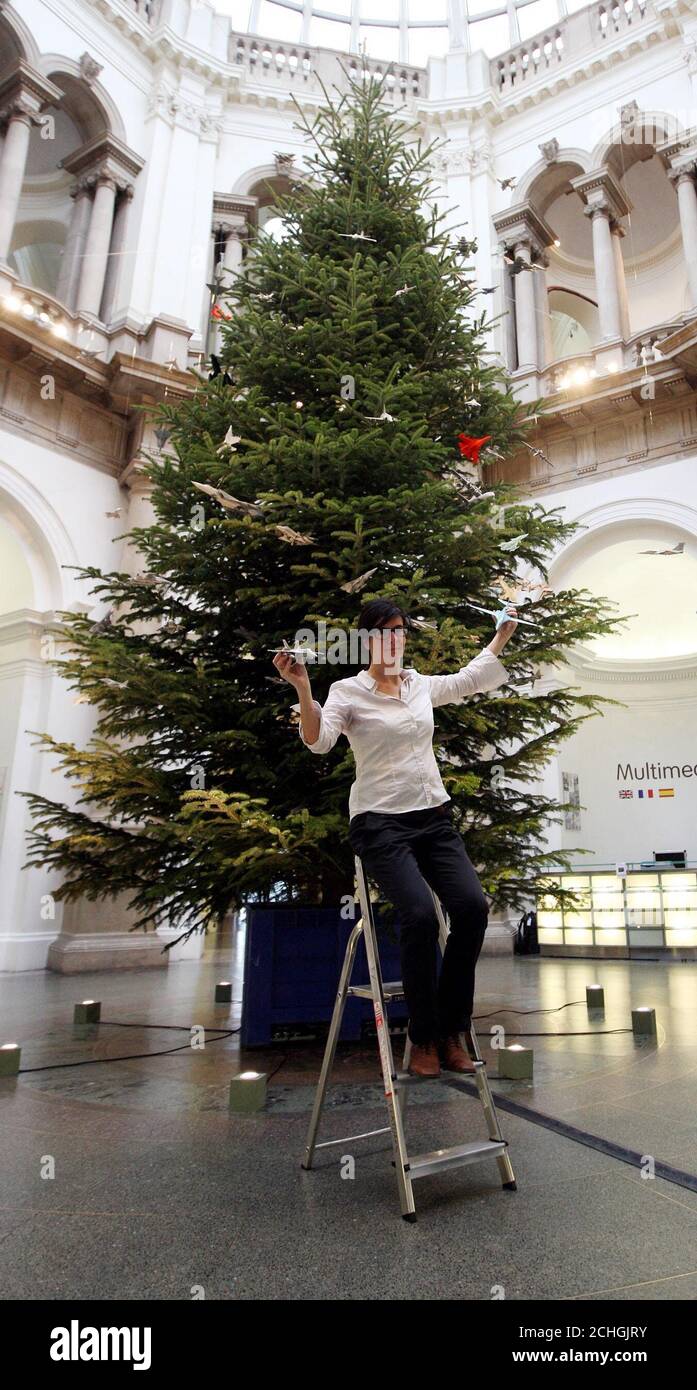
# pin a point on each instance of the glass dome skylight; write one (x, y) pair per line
(400, 31)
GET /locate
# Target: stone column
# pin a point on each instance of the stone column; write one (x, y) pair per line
(526, 310)
(604, 203)
(71, 263)
(232, 255)
(23, 95)
(141, 512)
(91, 287)
(108, 167)
(231, 219)
(116, 252)
(525, 235)
(683, 181)
(510, 323)
(544, 324)
(230, 266)
(14, 159)
(96, 936)
(606, 282)
(618, 233)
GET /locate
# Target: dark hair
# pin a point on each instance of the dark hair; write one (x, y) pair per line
(379, 611)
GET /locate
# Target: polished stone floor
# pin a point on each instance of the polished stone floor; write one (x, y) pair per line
(157, 1190)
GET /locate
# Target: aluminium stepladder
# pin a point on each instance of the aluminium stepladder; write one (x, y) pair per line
(396, 1084)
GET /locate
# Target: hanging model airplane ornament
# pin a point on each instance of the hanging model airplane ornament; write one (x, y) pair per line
(230, 503)
(674, 550)
(293, 537)
(514, 542)
(356, 236)
(518, 263)
(230, 442)
(354, 586)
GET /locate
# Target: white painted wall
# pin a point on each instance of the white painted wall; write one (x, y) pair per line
(657, 722)
(659, 730)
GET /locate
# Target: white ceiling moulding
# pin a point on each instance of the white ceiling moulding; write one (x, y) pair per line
(603, 524)
(637, 509)
(678, 668)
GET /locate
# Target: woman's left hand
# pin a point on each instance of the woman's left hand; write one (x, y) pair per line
(505, 627)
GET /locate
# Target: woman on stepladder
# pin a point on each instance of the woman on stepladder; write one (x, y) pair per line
(400, 816)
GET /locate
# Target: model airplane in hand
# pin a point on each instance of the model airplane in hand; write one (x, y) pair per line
(502, 613)
(298, 653)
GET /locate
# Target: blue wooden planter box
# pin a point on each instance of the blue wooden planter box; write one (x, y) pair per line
(292, 964)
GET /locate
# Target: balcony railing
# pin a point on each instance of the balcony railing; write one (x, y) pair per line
(294, 67)
(582, 370)
(147, 10)
(580, 33)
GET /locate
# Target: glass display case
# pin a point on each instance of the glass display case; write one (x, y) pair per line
(652, 910)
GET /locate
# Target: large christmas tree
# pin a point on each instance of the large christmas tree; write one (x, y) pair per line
(347, 433)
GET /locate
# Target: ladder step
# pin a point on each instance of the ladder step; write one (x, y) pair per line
(405, 1078)
(393, 990)
(422, 1164)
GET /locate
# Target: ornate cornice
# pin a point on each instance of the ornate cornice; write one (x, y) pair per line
(200, 118)
(24, 92)
(104, 157)
(233, 211)
(600, 192)
(524, 223)
(619, 673)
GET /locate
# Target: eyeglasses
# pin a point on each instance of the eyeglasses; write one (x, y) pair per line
(399, 627)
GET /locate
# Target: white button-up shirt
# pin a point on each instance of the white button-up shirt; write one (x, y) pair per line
(391, 736)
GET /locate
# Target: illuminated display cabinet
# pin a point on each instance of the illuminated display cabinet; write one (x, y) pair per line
(645, 911)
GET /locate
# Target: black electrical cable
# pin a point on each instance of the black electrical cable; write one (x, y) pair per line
(571, 1005)
(133, 1056)
(585, 1033)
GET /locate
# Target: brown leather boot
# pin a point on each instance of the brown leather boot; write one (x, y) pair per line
(423, 1061)
(452, 1054)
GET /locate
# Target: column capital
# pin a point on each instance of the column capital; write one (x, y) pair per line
(602, 194)
(523, 223)
(103, 178)
(133, 476)
(80, 188)
(25, 93)
(105, 158)
(678, 154)
(683, 173)
(225, 226)
(234, 210)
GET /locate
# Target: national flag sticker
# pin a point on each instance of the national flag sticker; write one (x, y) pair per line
(626, 794)
(648, 792)
(666, 791)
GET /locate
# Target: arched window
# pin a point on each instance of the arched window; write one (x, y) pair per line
(574, 323)
(42, 227)
(271, 224)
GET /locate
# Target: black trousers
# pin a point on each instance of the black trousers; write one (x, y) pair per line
(406, 854)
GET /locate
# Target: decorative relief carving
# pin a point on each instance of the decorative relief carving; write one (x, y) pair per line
(90, 68)
(629, 115)
(170, 106)
(284, 163)
(549, 150)
(690, 57)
